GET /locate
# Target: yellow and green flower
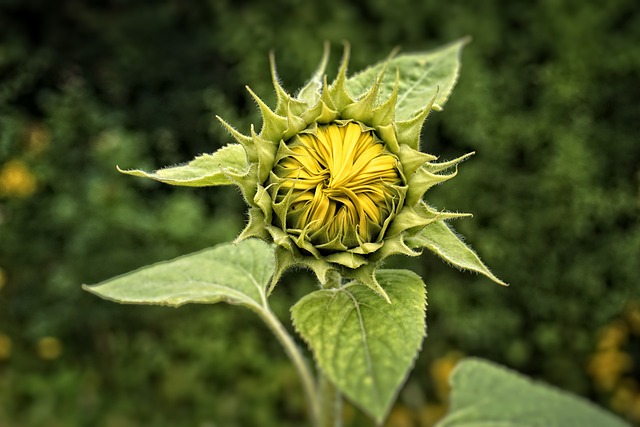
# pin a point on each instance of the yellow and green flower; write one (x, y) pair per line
(335, 177)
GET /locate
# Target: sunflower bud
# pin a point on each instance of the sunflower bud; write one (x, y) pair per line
(336, 188)
(335, 177)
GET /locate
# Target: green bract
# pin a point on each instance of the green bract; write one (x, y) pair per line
(335, 176)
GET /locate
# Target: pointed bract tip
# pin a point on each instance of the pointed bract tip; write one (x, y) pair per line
(344, 62)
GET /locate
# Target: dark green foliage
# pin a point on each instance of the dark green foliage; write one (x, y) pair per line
(548, 97)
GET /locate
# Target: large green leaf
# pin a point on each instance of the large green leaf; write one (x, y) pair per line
(234, 273)
(203, 171)
(363, 344)
(440, 239)
(484, 394)
(422, 75)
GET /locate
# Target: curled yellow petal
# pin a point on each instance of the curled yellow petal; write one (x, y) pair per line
(340, 185)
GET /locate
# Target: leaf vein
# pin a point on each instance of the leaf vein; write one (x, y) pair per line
(413, 86)
(365, 344)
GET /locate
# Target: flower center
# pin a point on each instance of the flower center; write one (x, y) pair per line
(336, 186)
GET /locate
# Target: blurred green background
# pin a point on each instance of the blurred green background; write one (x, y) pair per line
(549, 97)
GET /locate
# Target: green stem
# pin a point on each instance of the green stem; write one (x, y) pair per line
(324, 402)
(308, 382)
(334, 280)
(331, 403)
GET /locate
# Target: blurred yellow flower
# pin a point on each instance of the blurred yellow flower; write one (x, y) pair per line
(441, 371)
(49, 348)
(5, 347)
(432, 413)
(3, 278)
(634, 410)
(626, 400)
(613, 335)
(400, 416)
(632, 315)
(606, 367)
(612, 366)
(38, 138)
(16, 180)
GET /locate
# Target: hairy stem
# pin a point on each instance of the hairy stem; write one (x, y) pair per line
(331, 403)
(294, 353)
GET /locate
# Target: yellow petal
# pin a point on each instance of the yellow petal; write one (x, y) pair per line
(341, 183)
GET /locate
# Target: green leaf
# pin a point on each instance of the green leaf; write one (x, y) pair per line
(443, 241)
(233, 273)
(422, 75)
(363, 344)
(485, 394)
(204, 171)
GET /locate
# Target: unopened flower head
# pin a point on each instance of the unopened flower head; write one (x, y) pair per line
(336, 181)
(336, 186)
(335, 177)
